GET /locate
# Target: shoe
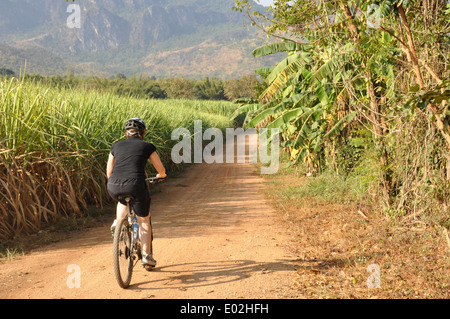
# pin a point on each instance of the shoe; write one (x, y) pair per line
(147, 260)
(113, 227)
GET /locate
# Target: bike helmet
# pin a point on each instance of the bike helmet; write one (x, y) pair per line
(136, 124)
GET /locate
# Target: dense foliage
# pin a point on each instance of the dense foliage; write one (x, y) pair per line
(54, 144)
(363, 91)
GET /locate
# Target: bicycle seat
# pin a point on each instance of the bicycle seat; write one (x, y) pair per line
(127, 198)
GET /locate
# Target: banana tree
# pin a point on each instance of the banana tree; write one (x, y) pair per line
(300, 100)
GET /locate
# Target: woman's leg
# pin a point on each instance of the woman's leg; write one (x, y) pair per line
(146, 234)
(121, 211)
(142, 208)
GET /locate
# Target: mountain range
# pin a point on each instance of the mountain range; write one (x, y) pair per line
(192, 38)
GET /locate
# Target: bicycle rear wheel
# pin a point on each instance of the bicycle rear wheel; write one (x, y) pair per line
(122, 253)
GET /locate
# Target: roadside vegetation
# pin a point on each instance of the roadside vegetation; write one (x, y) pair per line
(54, 144)
(362, 100)
(362, 103)
(339, 237)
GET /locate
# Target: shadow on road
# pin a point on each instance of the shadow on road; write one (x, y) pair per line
(211, 273)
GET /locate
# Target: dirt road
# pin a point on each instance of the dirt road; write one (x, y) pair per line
(215, 237)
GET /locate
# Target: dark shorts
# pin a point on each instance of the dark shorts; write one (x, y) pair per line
(137, 188)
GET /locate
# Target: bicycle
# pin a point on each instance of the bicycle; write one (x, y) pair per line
(127, 244)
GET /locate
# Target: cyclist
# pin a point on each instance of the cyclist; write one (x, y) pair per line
(126, 176)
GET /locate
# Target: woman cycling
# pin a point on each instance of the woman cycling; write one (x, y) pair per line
(126, 176)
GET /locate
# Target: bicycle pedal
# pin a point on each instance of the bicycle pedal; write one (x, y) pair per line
(149, 268)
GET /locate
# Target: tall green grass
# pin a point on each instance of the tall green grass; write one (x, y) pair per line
(54, 145)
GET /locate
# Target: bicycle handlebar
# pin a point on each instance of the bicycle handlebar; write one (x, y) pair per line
(153, 180)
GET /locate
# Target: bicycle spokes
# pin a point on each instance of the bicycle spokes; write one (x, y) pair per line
(123, 253)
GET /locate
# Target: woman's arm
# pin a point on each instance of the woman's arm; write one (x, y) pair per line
(110, 165)
(156, 161)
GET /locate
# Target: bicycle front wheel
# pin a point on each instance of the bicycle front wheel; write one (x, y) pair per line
(122, 253)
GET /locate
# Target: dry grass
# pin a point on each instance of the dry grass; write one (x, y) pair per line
(336, 244)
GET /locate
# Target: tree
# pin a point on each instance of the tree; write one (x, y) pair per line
(179, 88)
(346, 73)
(6, 72)
(241, 88)
(120, 76)
(209, 89)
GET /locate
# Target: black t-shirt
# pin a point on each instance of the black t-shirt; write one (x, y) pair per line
(130, 158)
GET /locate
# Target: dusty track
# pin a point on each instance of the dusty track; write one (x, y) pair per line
(215, 237)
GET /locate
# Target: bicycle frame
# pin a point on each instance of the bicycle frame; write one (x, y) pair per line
(135, 241)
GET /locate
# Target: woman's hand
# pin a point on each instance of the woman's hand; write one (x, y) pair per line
(161, 176)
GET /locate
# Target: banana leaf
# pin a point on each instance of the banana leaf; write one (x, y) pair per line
(338, 126)
(277, 48)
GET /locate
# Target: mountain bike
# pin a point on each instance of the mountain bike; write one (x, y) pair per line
(126, 243)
